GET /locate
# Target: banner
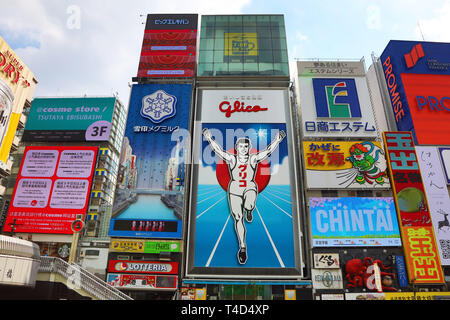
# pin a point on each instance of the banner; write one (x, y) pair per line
(338, 222)
(144, 246)
(69, 119)
(141, 282)
(437, 196)
(150, 196)
(243, 217)
(420, 249)
(52, 188)
(345, 165)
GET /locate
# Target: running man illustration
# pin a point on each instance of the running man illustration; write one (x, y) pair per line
(242, 189)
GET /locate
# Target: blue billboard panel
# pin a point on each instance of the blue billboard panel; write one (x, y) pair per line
(340, 222)
(150, 191)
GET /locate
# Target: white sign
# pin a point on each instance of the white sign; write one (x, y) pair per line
(337, 106)
(437, 196)
(243, 106)
(327, 278)
(326, 260)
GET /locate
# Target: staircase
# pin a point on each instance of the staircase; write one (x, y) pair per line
(78, 279)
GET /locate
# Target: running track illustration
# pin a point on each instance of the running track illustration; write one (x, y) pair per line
(269, 236)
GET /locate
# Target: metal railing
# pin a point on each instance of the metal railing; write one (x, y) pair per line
(79, 278)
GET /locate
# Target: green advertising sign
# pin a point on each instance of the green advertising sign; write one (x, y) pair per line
(162, 246)
(69, 119)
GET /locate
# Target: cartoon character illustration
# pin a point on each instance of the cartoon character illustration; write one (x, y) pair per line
(367, 164)
(242, 189)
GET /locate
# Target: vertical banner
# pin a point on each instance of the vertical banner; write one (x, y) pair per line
(150, 204)
(244, 215)
(419, 245)
(437, 196)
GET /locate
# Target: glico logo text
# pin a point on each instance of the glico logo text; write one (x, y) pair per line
(228, 109)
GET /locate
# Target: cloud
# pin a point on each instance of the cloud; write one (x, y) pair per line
(373, 21)
(89, 47)
(301, 36)
(437, 28)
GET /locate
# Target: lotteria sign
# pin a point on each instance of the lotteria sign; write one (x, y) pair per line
(143, 267)
(417, 76)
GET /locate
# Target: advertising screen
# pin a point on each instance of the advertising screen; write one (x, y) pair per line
(345, 165)
(244, 217)
(169, 46)
(52, 187)
(69, 119)
(417, 76)
(150, 204)
(419, 244)
(339, 222)
(335, 101)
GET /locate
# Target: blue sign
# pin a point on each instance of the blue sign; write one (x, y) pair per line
(403, 57)
(336, 98)
(150, 195)
(338, 222)
(401, 270)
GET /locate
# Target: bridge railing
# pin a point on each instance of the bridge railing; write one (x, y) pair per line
(79, 278)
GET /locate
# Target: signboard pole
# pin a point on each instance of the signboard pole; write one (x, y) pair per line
(73, 247)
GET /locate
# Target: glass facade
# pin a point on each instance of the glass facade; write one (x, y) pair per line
(243, 45)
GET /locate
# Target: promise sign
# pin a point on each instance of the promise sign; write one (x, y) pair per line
(419, 244)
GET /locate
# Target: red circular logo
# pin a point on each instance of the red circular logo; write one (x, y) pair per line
(262, 176)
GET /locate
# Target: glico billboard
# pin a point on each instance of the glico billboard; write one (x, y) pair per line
(244, 212)
(417, 76)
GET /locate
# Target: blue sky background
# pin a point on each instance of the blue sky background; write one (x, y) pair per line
(92, 46)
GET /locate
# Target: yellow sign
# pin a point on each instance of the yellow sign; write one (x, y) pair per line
(290, 295)
(417, 295)
(241, 44)
(200, 294)
(344, 164)
(127, 245)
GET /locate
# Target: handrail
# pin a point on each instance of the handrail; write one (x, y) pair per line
(18, 247)
(79, 278)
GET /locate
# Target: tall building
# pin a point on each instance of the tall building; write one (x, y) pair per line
(17, 85)
(66, 170)
(245, 225)
(147, 223)
(411, 79)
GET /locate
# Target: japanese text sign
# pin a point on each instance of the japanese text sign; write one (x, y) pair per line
(419, 247)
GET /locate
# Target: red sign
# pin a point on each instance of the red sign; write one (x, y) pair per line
(419, 244)
(168, 53)
(77, 225)
(238, 106)
(157, 267)
(428, 98)
(141, 281)
(52, 188)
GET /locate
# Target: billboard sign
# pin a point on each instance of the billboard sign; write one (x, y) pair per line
(141, 266)
(169, 46)
(417, 77)
(52, 187)
(142, 282)
(17, 85)
(345, 165)
(334, 104)
(69, 119)
(151, 203)
(340, 222)
(412, 209)
(244, 208)
(144, 246)
(437, 196)
(329, 279)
